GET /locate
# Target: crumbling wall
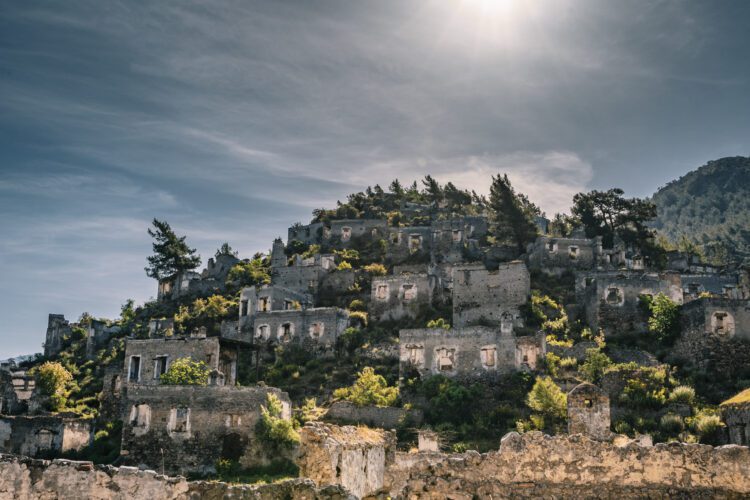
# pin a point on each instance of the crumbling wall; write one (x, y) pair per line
(471, 352)
(42, 435)
(154, 352)
(57, 328)
(737, 419)
(374, 416)
(555, 255)
(482, 297)
(400, 296)
(27, 479)
(533, 465)
(588, 412)
(354, 457)
(316, 328)
(189, 428)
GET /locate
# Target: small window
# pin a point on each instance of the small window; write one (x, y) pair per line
(614, 296)
(381, 292)
(415, 242)
(551, 247)
(316, 330)
(262, 332)
(456, 236)
(506, 322)
(140, 416)
(588, 403)
(160, 366)
(179, 420)
(232, 420)
(243, 308)
(289, 305)
(409, 292)
(445, 359)
(134, 374)
(489, 356)
(264, 304)
(573, 253)
(286, 331)
(346, 233)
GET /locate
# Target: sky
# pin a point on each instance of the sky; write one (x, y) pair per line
(234, 119)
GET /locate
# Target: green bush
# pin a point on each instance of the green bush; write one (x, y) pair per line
(185, 371)
(548, 401)
(52, 379)
(708, 427)
(357, 305)
(439, 323)
(665, 318)
(272, 428)
(595, 364)
(369, 389)
(682, 394)
(671, 424)
(375, 269)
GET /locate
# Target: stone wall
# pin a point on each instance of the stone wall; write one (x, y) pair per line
(555, 255)
(482, 297)
(375, 416)
(188, 428)
(315, 328)
(588, 412)
(155, 356)
(57, 328)
(27, 479)
(534, 465)
(354, 457)
(400, 296)
(613, 299)
(471, 352)
(43, 435)
(737, 419)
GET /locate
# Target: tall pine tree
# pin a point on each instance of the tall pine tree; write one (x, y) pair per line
(512, 214)
(171, 254)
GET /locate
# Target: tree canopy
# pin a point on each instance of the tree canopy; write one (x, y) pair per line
(512, 214)
(172, 255)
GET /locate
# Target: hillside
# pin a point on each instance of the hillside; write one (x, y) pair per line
(711, 208)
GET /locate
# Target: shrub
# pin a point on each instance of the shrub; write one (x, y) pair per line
(344, 266)
(595, 364)
(360, 316)
(439, 323)
(369, 389)
(547, 399)
(375, 269)
(185, 371)
(552, 362)
(254, 272)
(708, 427)
(52, 378)
(665, 317)
(622, 427)
(272, 428)
(683, 394)
(671, 424)
(357, 305)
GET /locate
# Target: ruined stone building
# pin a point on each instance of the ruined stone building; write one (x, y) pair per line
(555, 255)
(187, 429)
(589, 412)
(735, 413)
(57, 328)
(694, 285)
(354, 457)
(401, 295)
(42, 436)
(98, 336)
(211, 280)
(467, 352)
(612, 300)
(710, 326)
(302, 275)
(16, 389)
(490, 298)
(147, 359)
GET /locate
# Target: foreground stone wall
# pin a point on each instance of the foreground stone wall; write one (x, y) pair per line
(535, 465)
(26, 479)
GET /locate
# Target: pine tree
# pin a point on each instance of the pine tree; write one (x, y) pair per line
(512, 214)
(171, 254)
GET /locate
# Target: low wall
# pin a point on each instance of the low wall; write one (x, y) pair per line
(374, 416)
(23, 478)
(533, 465)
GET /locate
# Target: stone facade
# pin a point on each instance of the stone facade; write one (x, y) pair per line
(400, 296)
(612, 300)
(23, 478)
(555, 255)
(353, 457)
(315, 328)
(405, 243)
(710, 325)
(470, 352)
(721, 285)
(211, 280)
(57, 328)
(43, 435)
(98, 336)
(146, 360)
(588, 412)
(483, 297)
(16, 389)
(303, 275)
(533, 465)
(310, 234)
(189, 428)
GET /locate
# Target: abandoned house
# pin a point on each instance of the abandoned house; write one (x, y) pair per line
(16, 389)
(710, 325)
(43, 436)
(613, 300)
(735, 413)
(399, 296)
(211, 280)
(98, 336)
(57, 329)
(344, 231)
(303, 275)
(146, 360)
(556, 255)
(490, 298)
(695, 285)
(408, 243)
(589, 412)
(468, 352)
(187, 429)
